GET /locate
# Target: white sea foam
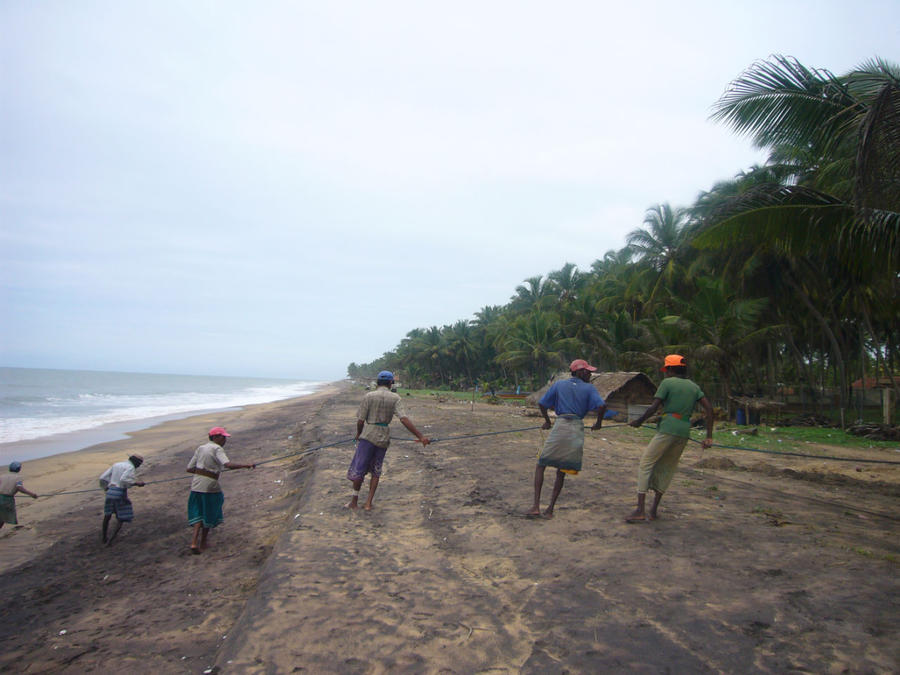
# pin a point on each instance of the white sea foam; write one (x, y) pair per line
(32, 411)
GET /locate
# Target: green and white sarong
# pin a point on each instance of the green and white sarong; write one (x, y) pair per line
(565, 445)
(8, 509)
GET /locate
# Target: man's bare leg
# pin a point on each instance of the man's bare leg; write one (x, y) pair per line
(354, 500)
(195, 540)
(557, 488)
(656, 499)
(538, 485)
(638, 513)
(103, 537)
(115, 532)
(373, 485)
(204, 533)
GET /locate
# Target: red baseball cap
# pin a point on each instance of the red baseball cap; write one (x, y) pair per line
(673, 360)
(580, 364)
(218, 431)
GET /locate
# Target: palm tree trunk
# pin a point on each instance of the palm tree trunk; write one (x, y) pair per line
(770, 369)
(880, 365)
(832, 339)
(803, 370)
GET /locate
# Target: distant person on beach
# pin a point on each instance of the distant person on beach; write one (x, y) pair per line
(572, 400)
(677, 395)
(206, 499)
(115, 481)
(10, 484)
(373, 436)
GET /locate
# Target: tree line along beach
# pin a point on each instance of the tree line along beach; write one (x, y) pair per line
(768, 563)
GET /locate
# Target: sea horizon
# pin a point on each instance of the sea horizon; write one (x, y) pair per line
(47, 411)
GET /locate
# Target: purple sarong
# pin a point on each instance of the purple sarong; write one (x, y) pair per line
(368, 458)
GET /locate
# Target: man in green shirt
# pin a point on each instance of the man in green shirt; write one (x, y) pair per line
(677, 396)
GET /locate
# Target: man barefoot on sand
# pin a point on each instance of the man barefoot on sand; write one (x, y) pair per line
(373, 436)
(10, 484)
(115, 481)
(677, 395)
(205, 502)
(572, 399)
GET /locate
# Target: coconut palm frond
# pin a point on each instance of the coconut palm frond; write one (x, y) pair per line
(878, 153)
(781, 101)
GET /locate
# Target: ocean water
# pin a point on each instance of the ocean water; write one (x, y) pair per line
(43, 412)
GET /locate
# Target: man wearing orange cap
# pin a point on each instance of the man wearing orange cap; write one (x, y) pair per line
(205, 502)
(572, 399)
(677, 395)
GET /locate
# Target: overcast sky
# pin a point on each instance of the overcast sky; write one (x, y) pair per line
(281, 188)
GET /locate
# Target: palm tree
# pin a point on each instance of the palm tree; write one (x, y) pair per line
(565, 283)
(535, 342)
(661, 244)
(840, 213)
(848, 130)
(722, 325)
(462, 347)
(531, 294)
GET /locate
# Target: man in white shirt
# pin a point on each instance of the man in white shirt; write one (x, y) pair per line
(206, 499)
(115, 481)
(10, 484)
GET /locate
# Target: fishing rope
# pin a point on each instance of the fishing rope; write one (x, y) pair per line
(509, 431)
(800, 454)
(169, 480)
(714, 445)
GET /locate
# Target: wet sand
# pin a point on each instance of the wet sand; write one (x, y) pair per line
(764, 564)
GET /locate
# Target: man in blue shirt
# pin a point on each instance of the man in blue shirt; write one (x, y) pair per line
(572, 399)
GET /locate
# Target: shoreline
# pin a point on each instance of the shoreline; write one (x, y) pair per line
(146, 603)
(67, 481)
(83, 439)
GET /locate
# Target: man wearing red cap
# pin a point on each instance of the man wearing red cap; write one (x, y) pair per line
(572, 399)
(205, 502)
(677, 395)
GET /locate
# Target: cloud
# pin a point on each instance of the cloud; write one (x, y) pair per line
(285, 188)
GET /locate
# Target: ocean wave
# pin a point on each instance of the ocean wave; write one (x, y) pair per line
(56, 415)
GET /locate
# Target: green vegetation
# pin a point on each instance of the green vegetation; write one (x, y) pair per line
(783, 277)
(446, 393)
(806, 440)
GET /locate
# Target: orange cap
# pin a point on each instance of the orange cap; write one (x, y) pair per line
(673, 360)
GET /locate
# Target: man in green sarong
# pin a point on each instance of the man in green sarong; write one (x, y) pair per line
(10, 484)
(206, 499)
(677, 395)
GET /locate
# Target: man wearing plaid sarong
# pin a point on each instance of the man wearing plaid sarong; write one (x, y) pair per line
(572, 400)
(115, 481)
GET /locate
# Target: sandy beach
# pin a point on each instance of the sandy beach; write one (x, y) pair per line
(758, 564)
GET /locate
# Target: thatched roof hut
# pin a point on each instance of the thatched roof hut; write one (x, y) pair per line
(627, 395)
